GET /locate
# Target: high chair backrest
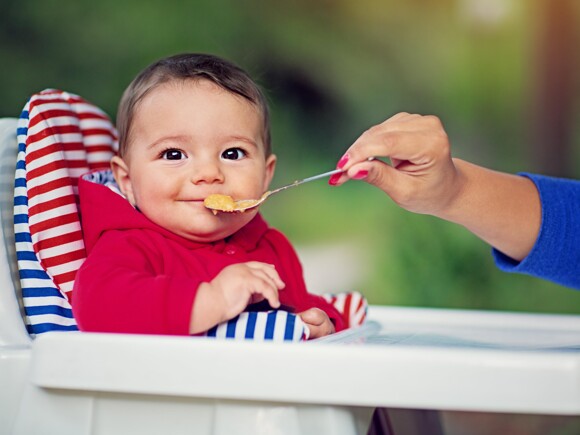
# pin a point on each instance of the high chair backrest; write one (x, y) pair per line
(60, 137)
(12, 330)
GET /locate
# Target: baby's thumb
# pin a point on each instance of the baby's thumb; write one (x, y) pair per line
(311, 316)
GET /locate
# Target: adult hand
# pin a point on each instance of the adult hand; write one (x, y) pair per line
(422, 176)
(502, 209)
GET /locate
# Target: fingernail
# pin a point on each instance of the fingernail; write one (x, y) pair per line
(360, 175)
(342, 161)
(333, 181)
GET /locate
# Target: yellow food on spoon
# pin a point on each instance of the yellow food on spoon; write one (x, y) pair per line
(225, 203)
(217, 202)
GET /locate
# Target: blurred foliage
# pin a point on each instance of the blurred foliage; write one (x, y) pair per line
(411, 260)
(331, 69)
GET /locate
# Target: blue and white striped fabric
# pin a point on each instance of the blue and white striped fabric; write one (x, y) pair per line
(262, 326)
(104, 178)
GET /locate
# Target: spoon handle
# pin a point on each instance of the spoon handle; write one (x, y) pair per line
(306, 180)
(316, 177)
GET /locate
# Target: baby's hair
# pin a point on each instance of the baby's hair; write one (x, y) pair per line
(183, 67)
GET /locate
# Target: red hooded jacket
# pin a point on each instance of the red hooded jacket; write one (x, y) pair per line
(141, 278)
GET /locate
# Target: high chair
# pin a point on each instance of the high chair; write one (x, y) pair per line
(410, 360)
(35, 302)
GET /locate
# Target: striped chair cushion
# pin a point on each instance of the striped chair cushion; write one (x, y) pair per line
(352, 305)
(60, 136)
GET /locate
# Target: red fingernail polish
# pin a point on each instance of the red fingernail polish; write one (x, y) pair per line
(334, 179)
(360, 175)
(342, 161)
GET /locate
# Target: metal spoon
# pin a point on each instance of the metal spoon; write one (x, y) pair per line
(224, 203)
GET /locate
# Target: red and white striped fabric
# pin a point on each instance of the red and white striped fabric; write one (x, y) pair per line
(352, 305)
(67, 136)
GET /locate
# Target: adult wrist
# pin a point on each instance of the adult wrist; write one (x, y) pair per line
(453, 208)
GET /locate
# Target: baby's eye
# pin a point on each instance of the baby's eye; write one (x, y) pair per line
(172, 154)
(234, 154)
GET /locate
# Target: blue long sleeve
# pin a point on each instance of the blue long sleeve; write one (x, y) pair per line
(556, 253)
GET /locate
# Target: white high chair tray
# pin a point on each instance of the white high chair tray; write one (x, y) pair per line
(402, 358)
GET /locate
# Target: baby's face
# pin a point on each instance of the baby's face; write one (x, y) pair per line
(189, 140)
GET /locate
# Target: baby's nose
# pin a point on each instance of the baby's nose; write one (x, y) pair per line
(207, 172)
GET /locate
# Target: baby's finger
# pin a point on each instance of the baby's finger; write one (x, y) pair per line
(261, 284)
(321, 330)
(313, 316)
(269, 293)
(258, 264)
(264, 277)
(318, 323)
(269, 271)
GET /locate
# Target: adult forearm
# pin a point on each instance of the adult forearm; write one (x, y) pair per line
(502, 209)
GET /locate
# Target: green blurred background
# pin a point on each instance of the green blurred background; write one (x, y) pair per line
(501, 74)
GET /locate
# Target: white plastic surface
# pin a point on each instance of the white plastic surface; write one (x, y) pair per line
(403, 358)
(14, 340)
(12, 330)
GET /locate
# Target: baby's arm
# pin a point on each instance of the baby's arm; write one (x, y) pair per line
(120, 288)
(328, 320)
(503, 210)
(230, 292)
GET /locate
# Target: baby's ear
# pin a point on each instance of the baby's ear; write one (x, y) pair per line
(270, 167)
(121, 174)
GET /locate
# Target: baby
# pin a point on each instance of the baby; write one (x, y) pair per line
(159, 262)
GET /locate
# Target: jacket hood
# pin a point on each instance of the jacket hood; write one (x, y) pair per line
(103, 209)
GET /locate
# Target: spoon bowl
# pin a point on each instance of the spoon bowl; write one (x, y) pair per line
(226, 204)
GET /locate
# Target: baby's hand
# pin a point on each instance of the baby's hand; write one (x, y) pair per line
(230, 292)
(241, 284)
(318, 322)
(422, 176)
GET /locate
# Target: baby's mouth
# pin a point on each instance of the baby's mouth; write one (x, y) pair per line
(196, 202)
